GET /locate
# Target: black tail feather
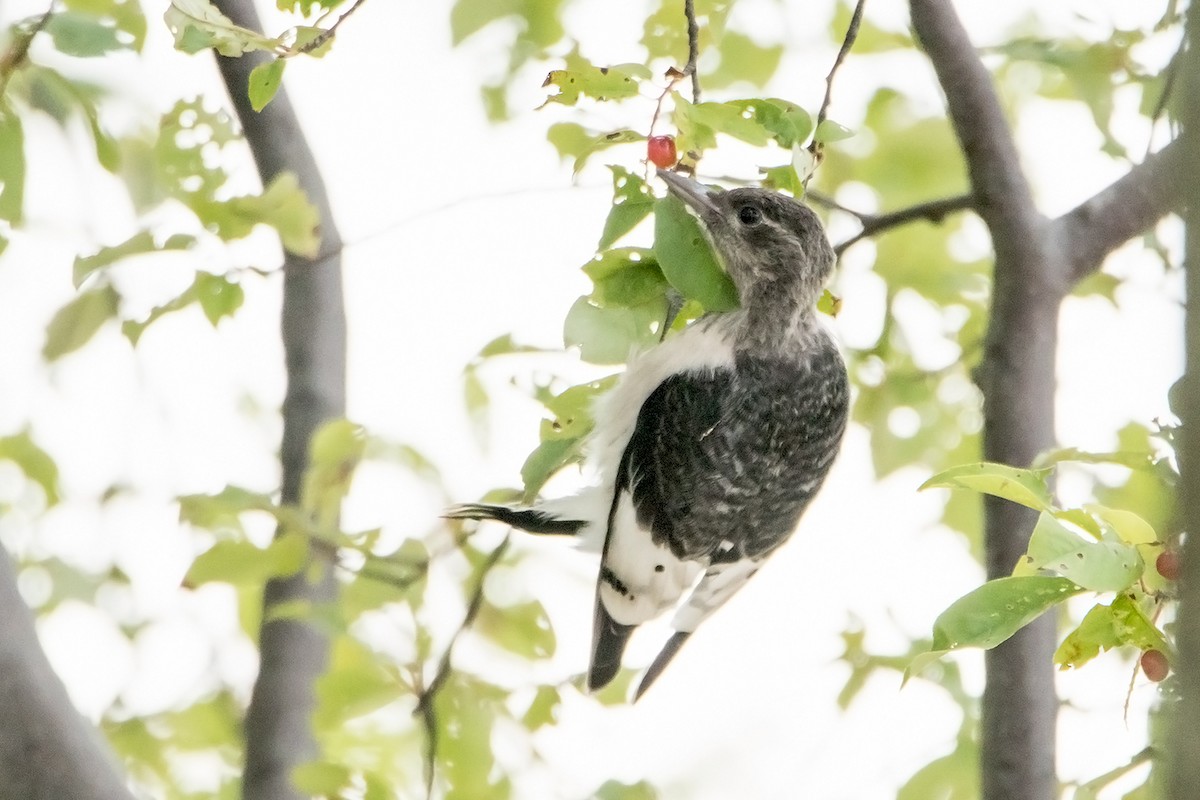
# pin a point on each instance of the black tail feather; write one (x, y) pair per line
(609, 638)
(660, 661)
(527, 519)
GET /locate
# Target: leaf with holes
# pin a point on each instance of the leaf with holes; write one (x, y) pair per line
(687, 259)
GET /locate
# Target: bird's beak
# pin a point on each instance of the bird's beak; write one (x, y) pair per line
(689, 192)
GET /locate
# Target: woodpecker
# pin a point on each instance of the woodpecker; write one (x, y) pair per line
(713, 442)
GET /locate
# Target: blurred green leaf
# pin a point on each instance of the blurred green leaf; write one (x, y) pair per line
(321, 779)
(356, 683)
(222, 512)
(83, 35)
(141, 243)
(12, 165)
(543, 710)
(77, 322)
(627, 277)
(615, 790)
(954, 776)
(740, 58)
(334, 453)
(522, 629)
(244, 563)
(548, 458)
(31, 459)
(219, 297)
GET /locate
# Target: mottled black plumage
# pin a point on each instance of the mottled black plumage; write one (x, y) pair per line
(714, 442)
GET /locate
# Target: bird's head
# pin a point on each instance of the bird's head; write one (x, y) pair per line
(770, 244)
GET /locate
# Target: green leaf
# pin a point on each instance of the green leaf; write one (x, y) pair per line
(356, 683)
(285, 207)
(573, 141)
(615, 790)
(198, 25)
(548, 458)
(687, 259)
(32, 460)
(1024, 486)
(141, 243)
(632, 202)
(466, 712)
(742, 59)
(1097, 566)
(12, 165)
(76, 323)
(992, 613)
(264, 82)
(572, 409)
(243, 563)
(626, 277)
(334, 453)
(543, 710)
(522, 629)
(222, 512)
(581, 78)
(609, 335)
(218, 296)
(1105, 627)
(829, 131)
(321, 779)
(829, 303)
(996, 610)
(83, 35)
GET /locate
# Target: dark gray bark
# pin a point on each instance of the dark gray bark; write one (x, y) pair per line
(47, 751)
(1037, 262)
(1184, 742)
(293, 653)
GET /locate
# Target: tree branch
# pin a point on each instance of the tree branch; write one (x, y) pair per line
(693, 34)
(47, 751)
(816, 146)
(428, 696)
(1132, 204)
(18, 51)
(1002, 194)
(934, 211)
(293, 652)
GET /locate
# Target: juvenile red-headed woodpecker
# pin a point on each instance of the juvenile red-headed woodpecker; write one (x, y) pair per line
(712, 443)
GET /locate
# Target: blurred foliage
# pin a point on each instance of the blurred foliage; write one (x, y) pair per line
(912, 391)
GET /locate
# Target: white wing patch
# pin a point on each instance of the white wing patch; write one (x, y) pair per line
(703, 346)
(720, 582)
(651, 579)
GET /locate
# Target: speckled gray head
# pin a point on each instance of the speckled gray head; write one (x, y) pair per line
(767, 242)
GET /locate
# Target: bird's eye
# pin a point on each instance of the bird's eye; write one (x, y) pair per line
(749, 215)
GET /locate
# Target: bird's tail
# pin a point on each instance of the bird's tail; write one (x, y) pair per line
(534, 520)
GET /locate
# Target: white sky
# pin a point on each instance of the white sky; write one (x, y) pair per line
(457, 232)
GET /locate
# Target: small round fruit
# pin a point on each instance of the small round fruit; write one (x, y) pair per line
(660, 150)
(1155, 665)
(1168, 565)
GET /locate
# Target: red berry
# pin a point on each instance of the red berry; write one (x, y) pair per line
(1155, 665)
(1168, 565)
(661, 151)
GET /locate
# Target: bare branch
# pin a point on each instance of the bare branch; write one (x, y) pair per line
(934, 211)
(331, 31)
(1002, 194)
(1125, 208)
(815, 147)
(693, 34)
(427, 696)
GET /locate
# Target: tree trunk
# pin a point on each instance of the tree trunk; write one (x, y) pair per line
(293, 652)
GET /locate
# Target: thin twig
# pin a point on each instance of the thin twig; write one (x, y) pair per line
(19, 52)
(329, 33)
(816, 146)
(933, 210)
(427, 696)
(693, 34)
